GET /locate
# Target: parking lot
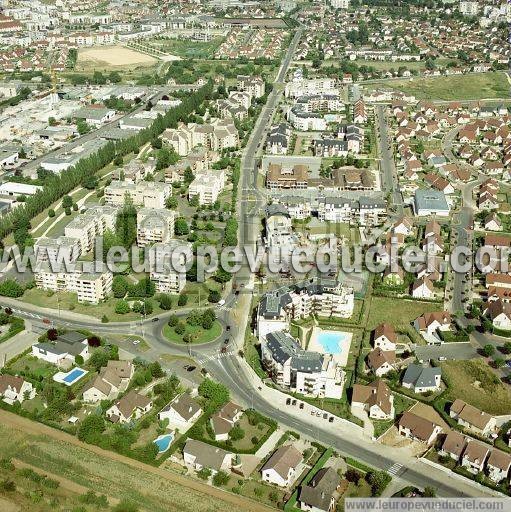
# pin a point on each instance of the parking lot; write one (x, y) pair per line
(449, 351)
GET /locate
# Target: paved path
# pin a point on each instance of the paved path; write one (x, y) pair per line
(17, 344)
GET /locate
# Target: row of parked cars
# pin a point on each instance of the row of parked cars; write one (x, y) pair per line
(314, 412)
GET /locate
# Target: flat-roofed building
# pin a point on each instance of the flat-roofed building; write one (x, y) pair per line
(150, 194)
(207, 186)
(154, 225)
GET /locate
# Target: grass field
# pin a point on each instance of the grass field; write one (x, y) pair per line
(188, 49)
(474, 382)
(459, 87)
(397, 312)
(149, 488)
(200, 335)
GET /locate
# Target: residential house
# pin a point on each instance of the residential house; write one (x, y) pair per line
(453, 445)
(63, 351)
(423, 288)
(111, 380)
(422, 378)
(381, 361)
(198, 455)
(131, 406)
(475, 456)
(498, 465)
(376, 399)
(499, 313)
(224, 420)
(319, 495)
(281, 468)
(418, 428)
(15, 389)
(182, 410)
(472, 418)
(385, 337)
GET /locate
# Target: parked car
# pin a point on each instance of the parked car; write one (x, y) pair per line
(293, 402)
(301, 405)
(288, 401)
(331, 419)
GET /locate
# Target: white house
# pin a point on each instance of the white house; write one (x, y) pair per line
(64, 350)
(376, 399)
(385, 337)
(281, 468)
(15, 389)
(182, 410)
(498, 465)
(131, 406)
(224, 420)
(198, 455)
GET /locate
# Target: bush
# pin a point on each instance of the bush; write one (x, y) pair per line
(220, 478)
(122, 307)
(173, 321)
(180, 328)
(182, 300)
(51, 213)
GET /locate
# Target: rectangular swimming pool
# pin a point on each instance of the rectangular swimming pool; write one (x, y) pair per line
(73, 375)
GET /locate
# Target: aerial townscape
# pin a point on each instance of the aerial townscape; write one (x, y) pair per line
(254, 254)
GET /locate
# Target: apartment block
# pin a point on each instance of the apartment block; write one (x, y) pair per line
(154, 225)
(207, 186)
(150, 194)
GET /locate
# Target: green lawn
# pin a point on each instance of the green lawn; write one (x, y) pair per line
(188, 49)
(475, 383)
(458, 87)
(401, 404)
(200, 335)
(397, 312)
(33, 367)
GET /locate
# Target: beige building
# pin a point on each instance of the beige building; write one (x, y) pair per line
(150, 194)
(90, 287)
(91, 224)
(154, 225)
(165, 260)
(207, 186)
(58, 249)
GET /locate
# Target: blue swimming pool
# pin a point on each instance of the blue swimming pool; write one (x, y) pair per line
(331, 341)
(163, 442)
(74, 375)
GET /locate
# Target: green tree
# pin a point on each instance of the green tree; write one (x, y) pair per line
(488, 350)
(51, 213)
(91, 427)
(119, 286)
(215, 393)
(429, 492)
(214, 296)
(82, 127)
(165, 301)
(171, 202)
(181, 227)
(221, 478)
(236, 433)
(180, 328)
(173, 320)
(67, 202)
(182, 300)
(122, 307)
(204, 473)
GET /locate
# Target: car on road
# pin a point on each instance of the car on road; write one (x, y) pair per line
(221, 302)
(318, 414)
(325, 416)
(46, 321)
(288, 401)
(293, 402)
(191, 368)
(155, 319)
(331, 419)
(226, 341)
(223, 350)
(301, 405)
(228, 328)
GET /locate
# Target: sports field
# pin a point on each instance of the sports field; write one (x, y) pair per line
(112, 56)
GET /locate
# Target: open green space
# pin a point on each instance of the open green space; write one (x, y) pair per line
(397, 312)
(187, 48)
(199, 334)
(457, 87)
(475, 383)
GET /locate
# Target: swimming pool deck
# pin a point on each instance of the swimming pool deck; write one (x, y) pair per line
(315, 345)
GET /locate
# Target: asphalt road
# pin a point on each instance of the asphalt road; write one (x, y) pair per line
(390, 182)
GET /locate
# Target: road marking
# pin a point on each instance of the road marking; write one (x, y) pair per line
(205, 359)
(395, 469)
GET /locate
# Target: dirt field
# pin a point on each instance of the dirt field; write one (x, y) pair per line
(88, 466)
(112, 56)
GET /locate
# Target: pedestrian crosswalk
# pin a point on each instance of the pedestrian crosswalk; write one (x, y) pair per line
(214, 357)
(395, 469)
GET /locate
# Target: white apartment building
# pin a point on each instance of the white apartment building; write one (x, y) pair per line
(90, 287)
(150, 194)
(365, 211)
(165, 260)
(61, 249)
(91, 224)
(469, 8)
(300, 371)
(154, 225)
(340, 4)
(207, 185)
(322, 297)
(301, 87)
